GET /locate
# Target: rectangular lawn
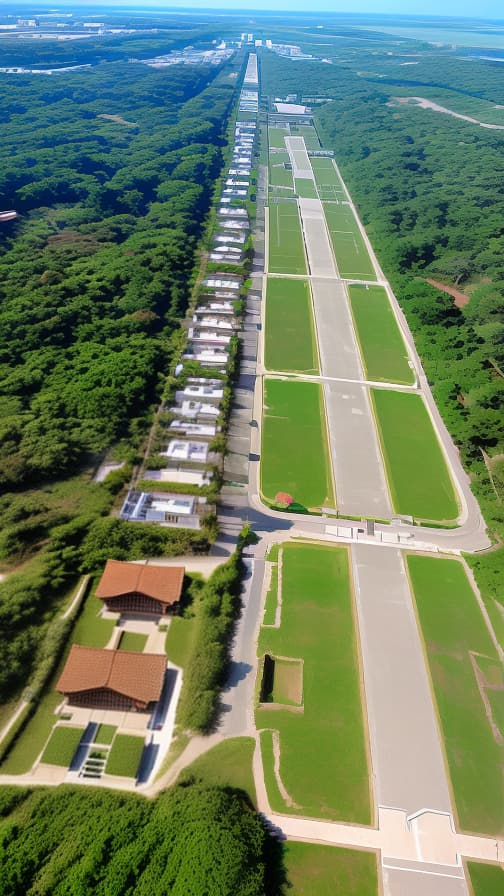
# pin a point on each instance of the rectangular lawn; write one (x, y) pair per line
(305, 188)
(323, 757)
(419, 481)
(382, 346)
(317, 870)
(286, 245)
(125, 755)
(294, 455)
(62, 744)
(279, 175)
(350, 250)
(326, 177)
(135, 641)
(465, 671)
(290, 335)
(276, 137)
(486, 880)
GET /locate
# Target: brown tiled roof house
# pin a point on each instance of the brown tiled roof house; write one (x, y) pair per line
(140, 588)
(112, 679)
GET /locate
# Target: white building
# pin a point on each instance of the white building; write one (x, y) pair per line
(195, 452)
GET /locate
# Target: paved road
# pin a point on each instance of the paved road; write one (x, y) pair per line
(338, 352)
(319, 252)
(408, 764)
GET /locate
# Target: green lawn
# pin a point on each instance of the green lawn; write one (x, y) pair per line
(105, 734)
(486, 880)
(308, 133)
(279, 175)
(382, 346)
(229, 764)
(454, 631)
(315, 870)
(290, 342)
(178, 644)
(350, 250)
(90, 630)
(271, 598)
(305, 188)
(286, 246)
(419, 481)
(294, 456)
(326, 178)
(125, 754)
(133, 641)
(323, 760)
(276, 137)
(62, 745)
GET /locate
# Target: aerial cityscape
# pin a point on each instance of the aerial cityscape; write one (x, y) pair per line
(252, 451)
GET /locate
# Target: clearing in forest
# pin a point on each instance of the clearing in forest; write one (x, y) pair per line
(323, 758)
(382, 346)
(468, 684)
(352, 256)
(419, 481)
(290, 342)
(294, 457)
(286, 246)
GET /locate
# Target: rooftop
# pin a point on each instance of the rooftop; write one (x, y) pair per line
(162, 583)
(139, 676)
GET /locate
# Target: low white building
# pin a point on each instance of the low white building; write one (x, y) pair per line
(195, 452)
(175, 510)
(211, 307)
(200, 392)
(207, 357)
(195, 409)
(206, 430)
(181, 477)
(216, 323)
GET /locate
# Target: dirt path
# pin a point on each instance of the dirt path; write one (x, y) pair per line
(460, 298)
(435, 107)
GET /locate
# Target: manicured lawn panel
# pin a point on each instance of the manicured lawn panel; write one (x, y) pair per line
(90, 629)
(286, 247)
(279, 175)
(486, 880)
(290, 336)
(276, 137)
(271, 598)
(125, 755)
(179, 638)
(326, 176)
(305, 188)
(62, 745)
(350, 250)
(316, 870)
(419, 480)
(105, 734)
(275, 798)
(309, 135)
(383, 349)
(454, 630)
(229, 764)
(135, 641)
(323, 759)
(294, 455)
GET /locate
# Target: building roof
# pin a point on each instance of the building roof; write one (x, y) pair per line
(162, 583)
(139, 676)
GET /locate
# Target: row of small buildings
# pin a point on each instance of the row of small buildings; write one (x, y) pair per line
(195, 411)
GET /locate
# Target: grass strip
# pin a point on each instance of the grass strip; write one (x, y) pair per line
(286, 246)
(486, 880)
(62, 745)
(229, 764)
(464, 668)
(316, 870)
(271, 598)
(290, 342)
(323, 756)
(275, 798)
(382, 346)
(105, 734)
(125, 755)
(305, 188)
(419, 481)
(294, 444)
(135, 641)
(352, 256)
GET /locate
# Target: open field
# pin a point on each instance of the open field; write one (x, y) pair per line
(326, 177)
(465, 671)
(316, 870)
(308, 133)
(323, 762)
(305, 188)
(486, 880)
(133, 641)
(229, 764)
(419, 480)
(178, 644)
(279, 176)
(290, 343)
(125, 754)
(62, 745)
(350, 250)
(293, 438)
(276, 137)
(382, 347)
(286, 247)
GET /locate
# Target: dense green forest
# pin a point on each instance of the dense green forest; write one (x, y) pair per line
(96, 273)
(189, 841)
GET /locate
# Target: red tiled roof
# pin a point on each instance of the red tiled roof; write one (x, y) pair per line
(136, 675)
(162, 583)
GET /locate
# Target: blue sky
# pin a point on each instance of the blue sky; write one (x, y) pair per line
(459, 8)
